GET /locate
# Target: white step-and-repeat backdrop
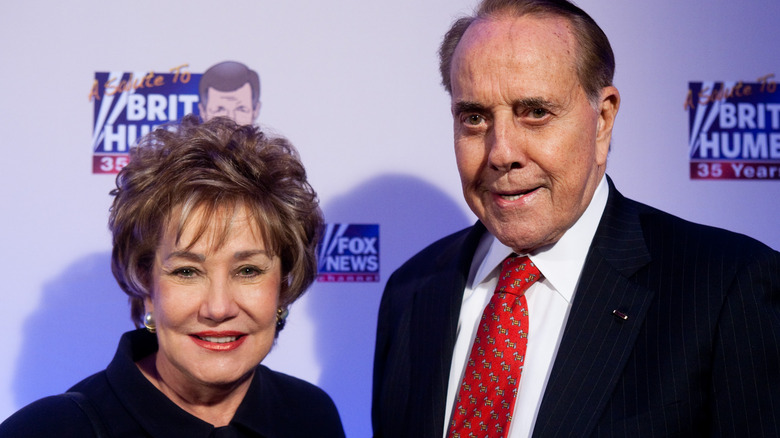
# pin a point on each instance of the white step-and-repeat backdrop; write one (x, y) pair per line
(355, 86)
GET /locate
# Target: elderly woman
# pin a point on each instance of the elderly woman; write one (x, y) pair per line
(214, 232)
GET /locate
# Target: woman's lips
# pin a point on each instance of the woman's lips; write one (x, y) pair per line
(219, 341)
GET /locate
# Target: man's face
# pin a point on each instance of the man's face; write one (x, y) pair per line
(236, 105)
(530, 147)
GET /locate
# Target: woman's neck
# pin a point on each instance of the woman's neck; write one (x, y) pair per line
(215, 404)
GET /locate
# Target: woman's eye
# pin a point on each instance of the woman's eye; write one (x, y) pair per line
(184, 272)
(248, 271)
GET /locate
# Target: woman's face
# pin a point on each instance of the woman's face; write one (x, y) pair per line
(214, 308)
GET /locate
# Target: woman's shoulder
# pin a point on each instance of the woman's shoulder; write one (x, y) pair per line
(58, 415)
(291, 400)
(283, 384)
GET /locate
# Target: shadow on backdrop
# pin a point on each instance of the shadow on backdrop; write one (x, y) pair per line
(74, 332)
(411, 214)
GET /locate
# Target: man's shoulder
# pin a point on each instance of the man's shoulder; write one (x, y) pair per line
(451, 249)
(662, 227)
(630, 228)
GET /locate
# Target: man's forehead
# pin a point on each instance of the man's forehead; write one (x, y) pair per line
(518, 31)
(243, 92)
(506, 59)
(509, 42)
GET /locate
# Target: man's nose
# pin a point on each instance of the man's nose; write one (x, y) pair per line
(507, 145)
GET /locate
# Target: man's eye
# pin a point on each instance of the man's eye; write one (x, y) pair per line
(538, 113)
(474, 119)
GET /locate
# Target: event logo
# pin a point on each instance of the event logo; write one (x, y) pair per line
(128, 105)
(734, 129)
(349, 253)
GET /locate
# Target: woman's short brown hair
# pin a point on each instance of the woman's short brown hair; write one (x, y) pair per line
(212, 166)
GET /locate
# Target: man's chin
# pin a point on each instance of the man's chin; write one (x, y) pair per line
(522, 240)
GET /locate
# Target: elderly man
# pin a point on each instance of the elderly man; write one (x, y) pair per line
(567, 310)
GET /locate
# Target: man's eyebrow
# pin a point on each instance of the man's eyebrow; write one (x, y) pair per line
(534, 102)
(468, 107)
(525, 104)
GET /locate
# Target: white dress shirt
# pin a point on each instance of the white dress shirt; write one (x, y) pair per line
(549, 302)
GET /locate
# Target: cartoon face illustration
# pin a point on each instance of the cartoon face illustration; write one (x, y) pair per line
(235, 105)
(230, 89)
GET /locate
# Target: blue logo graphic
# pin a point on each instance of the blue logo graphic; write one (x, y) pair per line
(734, 129)
(349, 253)
(128, 105)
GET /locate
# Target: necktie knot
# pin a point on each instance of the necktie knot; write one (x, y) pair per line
(517, 275)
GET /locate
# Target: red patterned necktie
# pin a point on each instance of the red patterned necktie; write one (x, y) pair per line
(486, 397)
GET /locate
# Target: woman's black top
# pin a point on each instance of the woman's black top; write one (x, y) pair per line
(128, 405)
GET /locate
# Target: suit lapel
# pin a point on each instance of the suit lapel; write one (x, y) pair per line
(434, 324)
(596, 343)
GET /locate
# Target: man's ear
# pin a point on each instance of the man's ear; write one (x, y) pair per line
(609, 104)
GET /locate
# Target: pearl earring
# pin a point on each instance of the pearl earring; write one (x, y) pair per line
(149, 322)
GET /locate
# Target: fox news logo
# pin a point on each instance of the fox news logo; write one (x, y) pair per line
(734, 129)
(349, 253)
(128, 105)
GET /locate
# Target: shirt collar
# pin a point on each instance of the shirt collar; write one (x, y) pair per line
(558, 261)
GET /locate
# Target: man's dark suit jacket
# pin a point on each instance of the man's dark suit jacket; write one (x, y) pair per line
(698, 355)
